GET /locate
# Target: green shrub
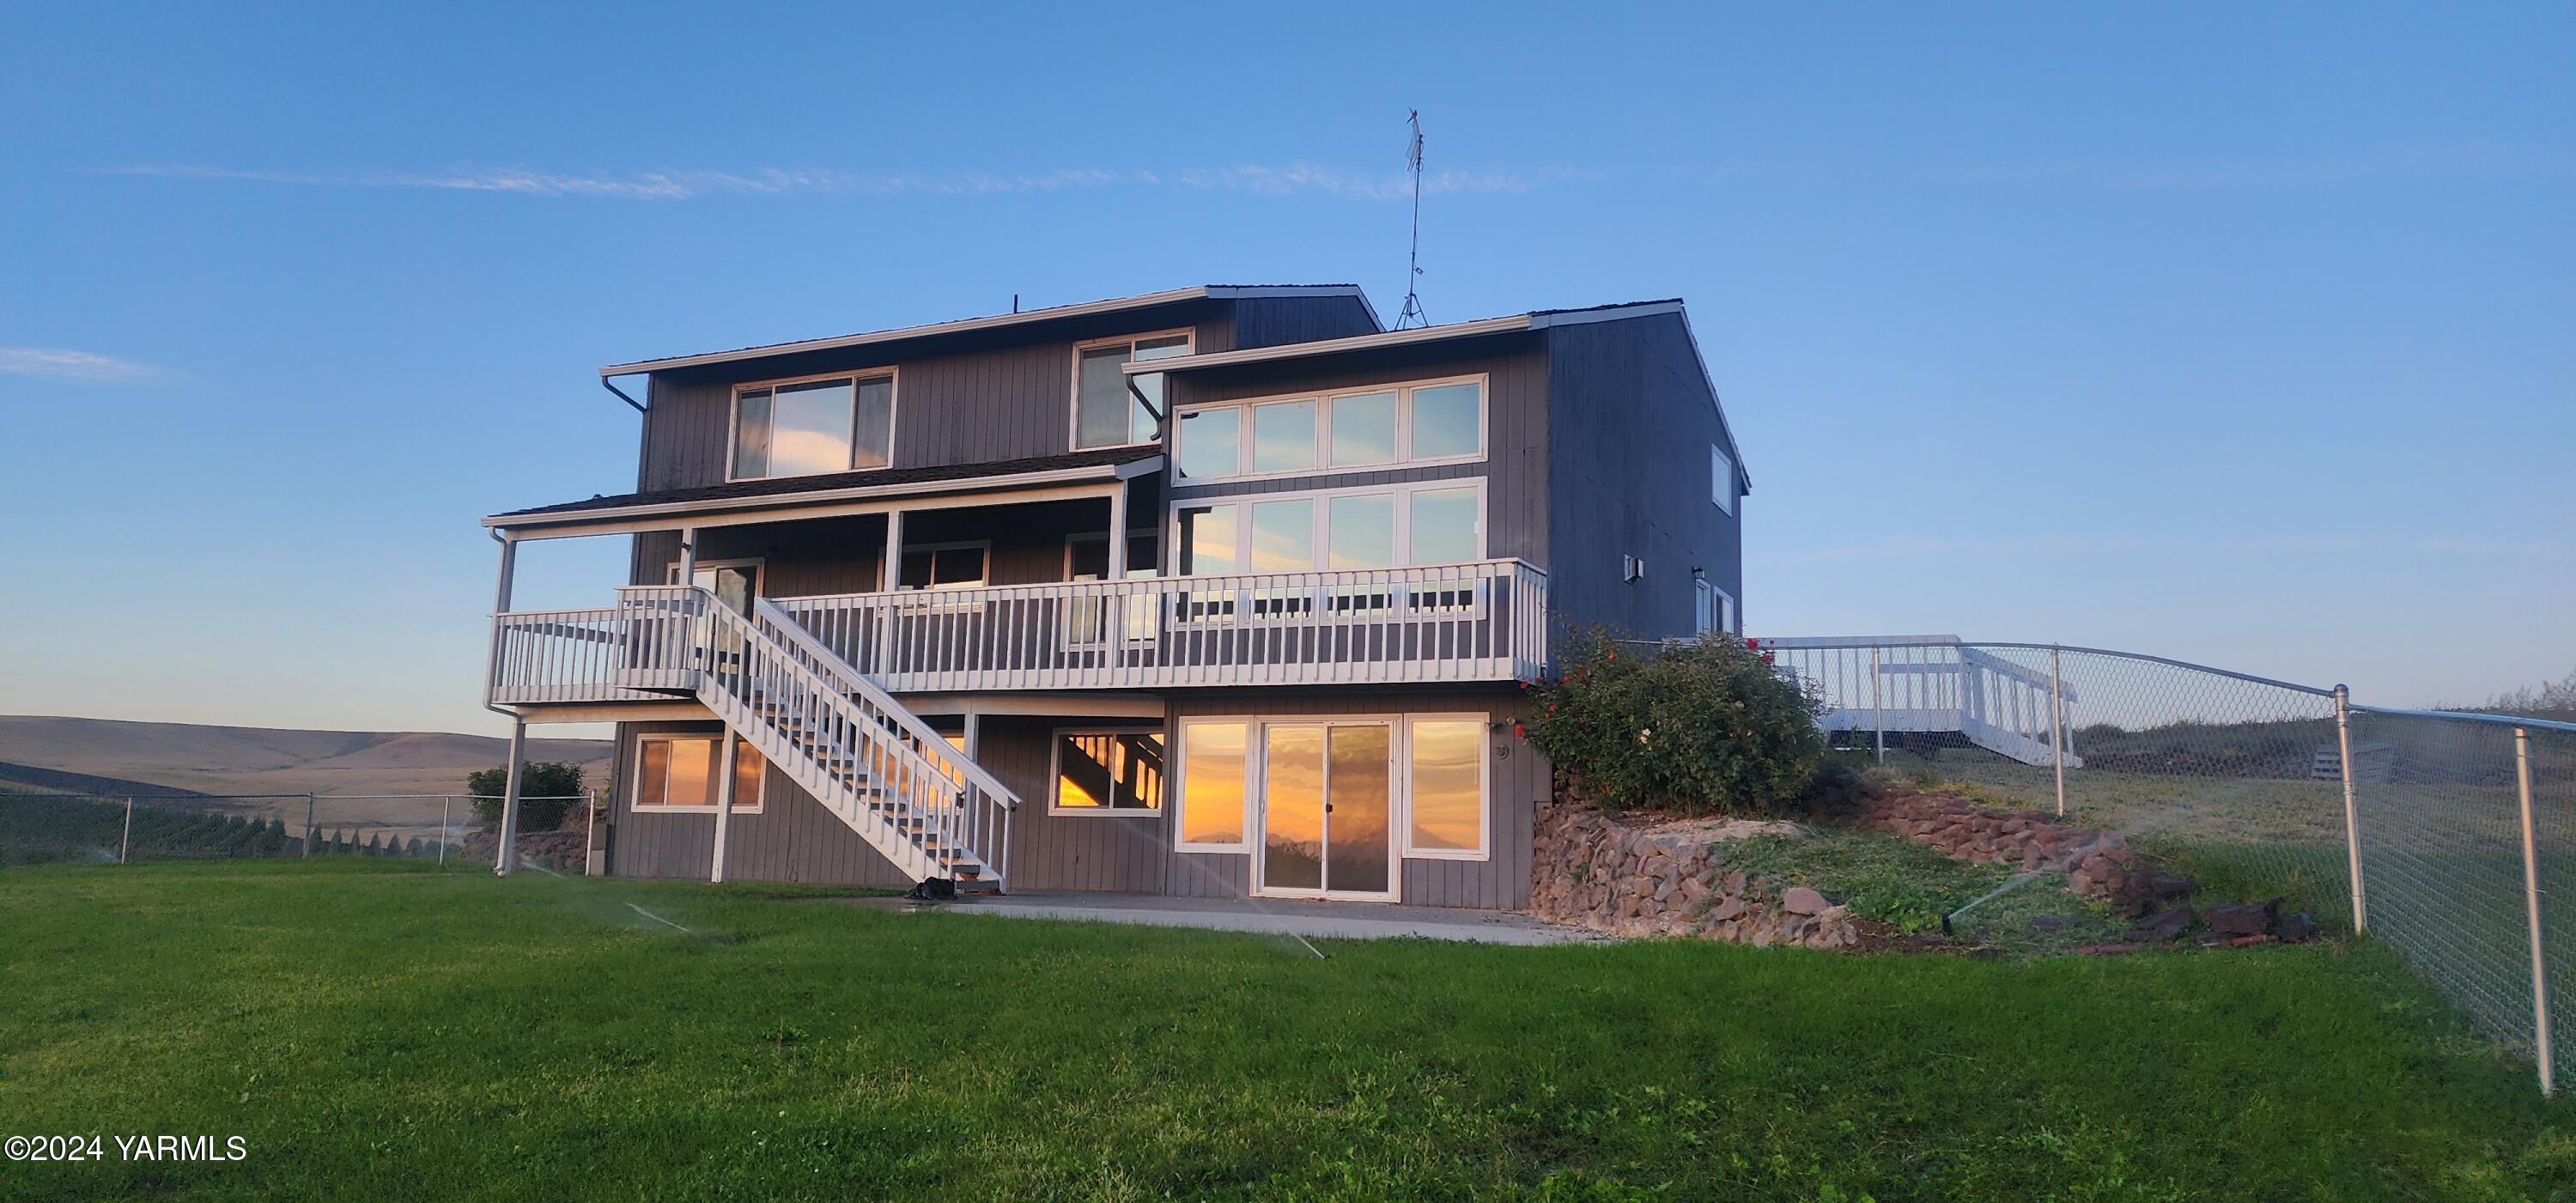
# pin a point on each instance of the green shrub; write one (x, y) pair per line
(544, 787)
(1703, 727)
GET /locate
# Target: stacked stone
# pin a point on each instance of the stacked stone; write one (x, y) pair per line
(1592, 870)
(2096, 863)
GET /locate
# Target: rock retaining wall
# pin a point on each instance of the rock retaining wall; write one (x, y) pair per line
(1592, 870)
(2096, 863)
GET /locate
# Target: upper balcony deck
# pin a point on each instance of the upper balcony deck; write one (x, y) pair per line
(1483, 621)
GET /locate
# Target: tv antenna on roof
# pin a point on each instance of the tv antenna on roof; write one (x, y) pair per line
(1412, 313)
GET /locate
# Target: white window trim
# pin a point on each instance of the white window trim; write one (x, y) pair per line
(1484, 849)
(635, 786)
(1257, 757)
(1323, 400)
(980, 582)
(1176, 784)
(671, 571)
(1134, 634)
(1721, 486)
(1321, 499)
(891, 374)
(1729, 618)
(1073, 394)
(1055, 771)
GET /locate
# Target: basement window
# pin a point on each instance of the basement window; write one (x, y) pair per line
(675, 773)
(1108, 773)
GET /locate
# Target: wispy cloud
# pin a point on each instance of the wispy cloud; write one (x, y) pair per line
(1296, 179)
(1905, 547)
(72, 367)
(2222, 175)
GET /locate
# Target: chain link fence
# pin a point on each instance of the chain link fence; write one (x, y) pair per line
(2453, 824)
(133, 828)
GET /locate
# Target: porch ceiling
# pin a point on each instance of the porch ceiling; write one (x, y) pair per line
(881, 488)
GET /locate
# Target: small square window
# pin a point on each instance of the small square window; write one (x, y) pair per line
(1108, 772)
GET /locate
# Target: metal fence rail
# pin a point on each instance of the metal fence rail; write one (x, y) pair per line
(125, 828)
(2440, 832)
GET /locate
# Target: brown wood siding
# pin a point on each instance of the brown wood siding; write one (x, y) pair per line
(1518, 782)
(1117, 854)
(792, 838)
(1516, 426)
(1633, 420)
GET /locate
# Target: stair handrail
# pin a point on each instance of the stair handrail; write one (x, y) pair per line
(931, 743)
(924, 780)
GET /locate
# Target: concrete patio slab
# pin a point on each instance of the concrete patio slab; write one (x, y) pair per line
(1277, 916)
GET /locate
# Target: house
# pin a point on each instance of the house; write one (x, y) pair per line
(1213, 592)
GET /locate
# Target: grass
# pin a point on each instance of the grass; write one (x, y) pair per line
(379, 1028)
(1894, 880)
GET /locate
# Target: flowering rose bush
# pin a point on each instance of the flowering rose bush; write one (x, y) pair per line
(1700, 727)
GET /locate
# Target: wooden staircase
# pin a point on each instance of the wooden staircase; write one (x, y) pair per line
(876, 766)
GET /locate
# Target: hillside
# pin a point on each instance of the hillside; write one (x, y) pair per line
(57, 754)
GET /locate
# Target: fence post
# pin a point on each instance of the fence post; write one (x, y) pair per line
(125, 843)
(308, 826)
(1878, 703)
(2351, 813)
(2057, 729)
(2531, 911)
(443, 801)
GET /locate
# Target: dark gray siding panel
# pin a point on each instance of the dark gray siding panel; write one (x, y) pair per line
(792, 838)
(1633, 419)
(1271, 321)
(1067, 852)
(1517, 773)
(957, 401)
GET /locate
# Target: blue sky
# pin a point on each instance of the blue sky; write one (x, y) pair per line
(2237, 334)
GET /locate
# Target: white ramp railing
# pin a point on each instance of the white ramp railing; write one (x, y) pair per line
(1928, 683)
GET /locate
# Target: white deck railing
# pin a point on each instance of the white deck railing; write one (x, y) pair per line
(1927, 683)
(1453, 622)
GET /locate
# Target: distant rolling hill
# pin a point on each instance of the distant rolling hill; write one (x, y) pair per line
(106, 756)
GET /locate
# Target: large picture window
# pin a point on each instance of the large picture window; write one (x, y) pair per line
(1428, 423)
(1214, 784)
(1435, 522)
(810, 427)
(677, 772)
(1107, 412)
(1445, 788)
(1108, 773)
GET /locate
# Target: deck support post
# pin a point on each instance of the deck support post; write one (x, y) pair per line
(2351, 812)
(889, 575)
(500, 606)
(510, 798)
(2531, 913)
(1112, 622)
(688, 556)
(723, 770)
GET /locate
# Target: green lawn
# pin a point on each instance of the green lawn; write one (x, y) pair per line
(380, 1029)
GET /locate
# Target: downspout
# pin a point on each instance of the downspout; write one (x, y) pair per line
(621, 394)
